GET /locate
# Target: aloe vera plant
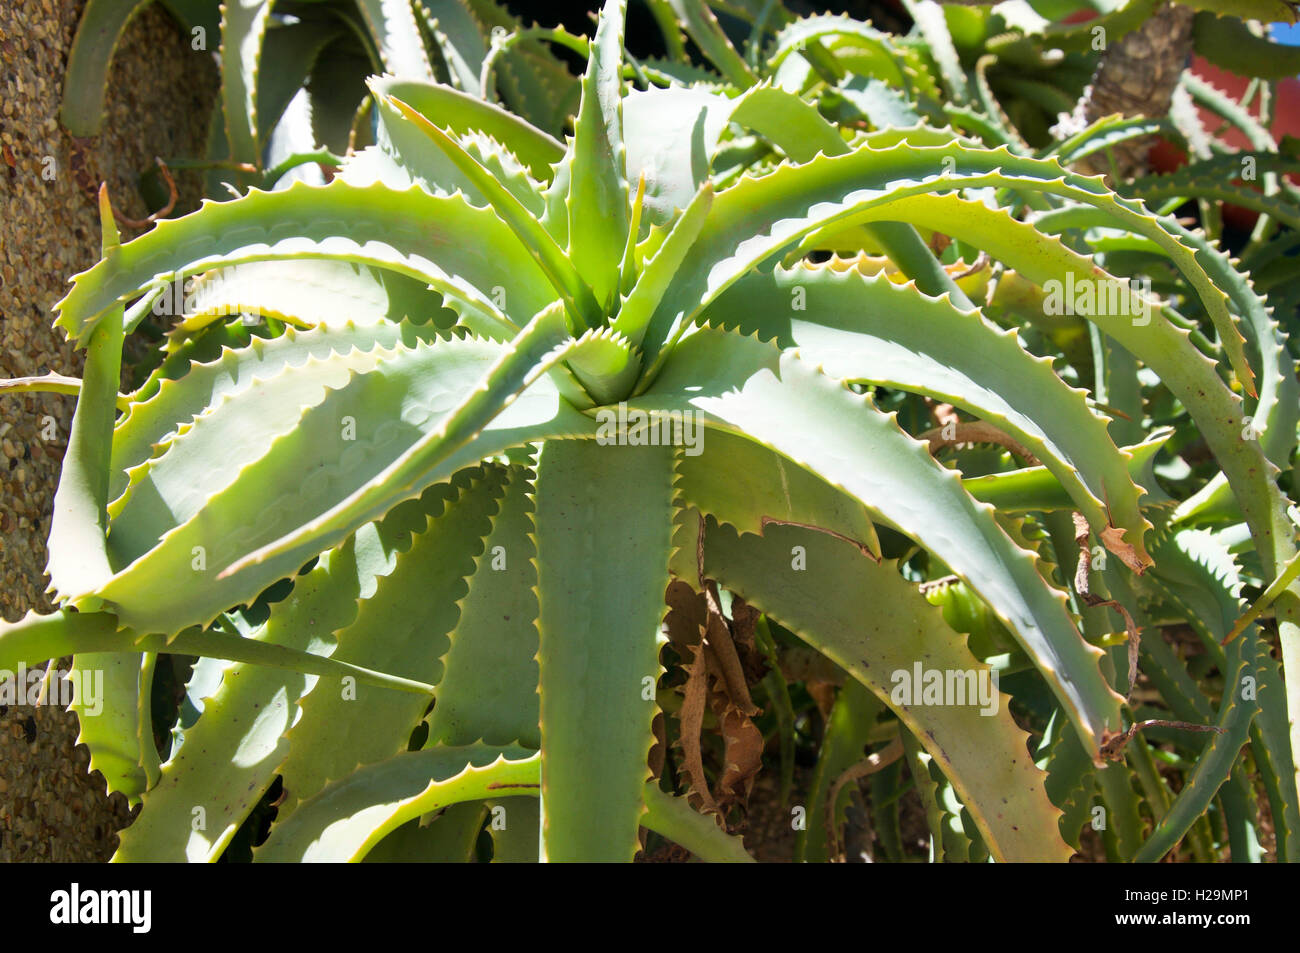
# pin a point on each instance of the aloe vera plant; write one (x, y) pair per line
(292, 93)
(500, 393)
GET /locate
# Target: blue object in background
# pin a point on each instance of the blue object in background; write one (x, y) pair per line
(1286, 33)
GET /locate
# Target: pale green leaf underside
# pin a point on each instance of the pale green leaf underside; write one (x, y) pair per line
(463, 251)
(346, 439)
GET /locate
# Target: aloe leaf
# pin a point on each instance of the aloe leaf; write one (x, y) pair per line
(868, 329)
(750, 389)
(294, 49)
(512, 403)
(156, 423)
(868, 619)
(1103, 134)
(464, 252)
(1270, 11)
(1218, 414)
(1120, 19)
(305, 293)
(759, 217)
(1124, 825)
(460, 38)
(1204, 93)
(1277, 411)
(885, 61)
(1201, 185)
(1200, 574)
(1191, 377)
(671, 135)
(462, 113)
(515, 827)
(566, 275)
(675, 819)
(702, 27)
(353, 439)
(451, 837)
(349, 820)
(606, 365)
(598, 194)
(801, 132)
(37, 638)
(340, 729)
(241, 732)
(345, 820)
(657, 274)
(243, 28)
(102, 25)
(1273, 757)
(1071, 781)
(1217, 758)
(393, 26)
(1036, 488)
(599, 623)
(79, 558)
(536, 84)
(188, 467)
(928, 780)
(107, 705)
(848, 730)
(929, 18)
(51, 383)
(743, 484)
(488, 692)
(1227, 41)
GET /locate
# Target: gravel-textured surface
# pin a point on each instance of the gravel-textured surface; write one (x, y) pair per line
(159, 97)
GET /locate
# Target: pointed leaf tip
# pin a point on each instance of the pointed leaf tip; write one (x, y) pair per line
(110, 238)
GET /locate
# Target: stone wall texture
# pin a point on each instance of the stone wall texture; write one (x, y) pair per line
(159, 98)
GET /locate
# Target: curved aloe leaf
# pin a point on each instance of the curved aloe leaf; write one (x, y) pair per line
(243, 28)
(462, 113)
(355, 434)
(751, 389)
(512, 403)
(392, 25)
(79, 558)
(868, 329)
(702, 27)
(349, 817)
(759, 217)
(37, 638)
(461, 250)
(102, 24)
(743, 484)
(340, 729)
(239, 742)
(869, 620)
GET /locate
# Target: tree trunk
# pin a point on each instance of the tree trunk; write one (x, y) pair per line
(159, 98)
(1137, 77)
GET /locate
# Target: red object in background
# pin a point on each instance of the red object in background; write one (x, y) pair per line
(1167, 157)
